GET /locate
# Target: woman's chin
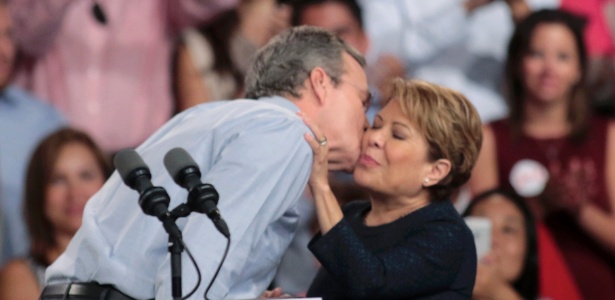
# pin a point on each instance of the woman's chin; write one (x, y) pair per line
(361, 178)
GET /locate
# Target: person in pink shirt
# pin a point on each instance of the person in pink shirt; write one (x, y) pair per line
(105, 64)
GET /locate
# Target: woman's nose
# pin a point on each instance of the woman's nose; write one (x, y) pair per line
(374, 139)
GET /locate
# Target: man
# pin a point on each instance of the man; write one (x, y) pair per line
(253, 153)
(24, 121)
(343, 18)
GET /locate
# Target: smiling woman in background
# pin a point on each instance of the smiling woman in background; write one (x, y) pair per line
(65, 170)
(407, 241)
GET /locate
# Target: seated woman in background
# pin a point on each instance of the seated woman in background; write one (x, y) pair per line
(66, 168)
(510, 269)
(553, 152)
(407, 241)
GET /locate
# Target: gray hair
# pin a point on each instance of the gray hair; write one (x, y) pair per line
(283, 65)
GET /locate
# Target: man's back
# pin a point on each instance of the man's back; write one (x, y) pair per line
(253, 153)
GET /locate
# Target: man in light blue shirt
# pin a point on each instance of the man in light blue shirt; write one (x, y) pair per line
(253, 153)
(24, 121)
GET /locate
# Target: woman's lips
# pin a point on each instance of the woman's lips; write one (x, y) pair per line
(368, 161)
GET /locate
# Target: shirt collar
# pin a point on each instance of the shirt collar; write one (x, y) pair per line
(281, 101)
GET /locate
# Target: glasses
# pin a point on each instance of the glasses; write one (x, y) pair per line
(366, 95)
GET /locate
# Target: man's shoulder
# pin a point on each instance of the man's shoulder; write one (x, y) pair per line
(246, 114)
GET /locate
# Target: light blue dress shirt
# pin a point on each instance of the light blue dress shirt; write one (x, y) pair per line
(254, 154)
(24, 121)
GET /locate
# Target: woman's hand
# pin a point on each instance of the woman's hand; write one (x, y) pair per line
(275, 293)
(570, 188)
(489, 282)
(328, 210)
(318, 143)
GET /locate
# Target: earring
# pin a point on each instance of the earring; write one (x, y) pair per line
(426, 180)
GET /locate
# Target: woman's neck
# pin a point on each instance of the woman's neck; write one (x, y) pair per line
(387, 210)
(548, 120)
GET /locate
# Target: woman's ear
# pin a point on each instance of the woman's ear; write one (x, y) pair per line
(439, 169)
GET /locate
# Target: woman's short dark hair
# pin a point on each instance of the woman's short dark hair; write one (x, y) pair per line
(527, 283)
(39, 174)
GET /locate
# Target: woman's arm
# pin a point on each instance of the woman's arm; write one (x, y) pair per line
(600, 224)
(328, 210)
(485, 174)
(190, 87)
(18, 282)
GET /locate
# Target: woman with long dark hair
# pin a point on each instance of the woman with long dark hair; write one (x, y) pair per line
(65, 170)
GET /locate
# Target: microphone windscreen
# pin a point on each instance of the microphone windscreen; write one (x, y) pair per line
(177, 159)
(128, 160)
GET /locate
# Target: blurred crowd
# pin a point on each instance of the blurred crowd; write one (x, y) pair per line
(81, 80)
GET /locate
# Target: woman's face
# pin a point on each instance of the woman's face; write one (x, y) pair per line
(551, 67)
(76, 176)
(393, 157)
(508, 240)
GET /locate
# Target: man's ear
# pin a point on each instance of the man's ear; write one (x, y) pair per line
(439, 169)
(319, 81)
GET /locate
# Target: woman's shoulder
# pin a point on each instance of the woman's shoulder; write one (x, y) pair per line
(447, 221)
(18, 281)
(16, 266)
(17, 270)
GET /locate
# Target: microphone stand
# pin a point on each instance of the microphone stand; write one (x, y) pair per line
(175, 246)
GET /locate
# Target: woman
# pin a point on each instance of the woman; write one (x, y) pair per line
(407, 241)
(510, 269)
(552, 151)
(66, 168)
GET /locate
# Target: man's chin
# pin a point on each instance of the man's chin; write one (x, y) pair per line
(342, 166)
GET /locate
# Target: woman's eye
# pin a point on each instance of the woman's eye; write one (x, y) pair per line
(535, 53)
(56, 180)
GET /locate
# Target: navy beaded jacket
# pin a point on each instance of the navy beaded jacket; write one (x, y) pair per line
(427, 254)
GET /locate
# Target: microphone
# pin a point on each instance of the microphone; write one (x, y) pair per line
(202, 197)
(154, 200)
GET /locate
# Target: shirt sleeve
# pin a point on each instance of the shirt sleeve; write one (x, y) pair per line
(423, 263)
(259, 173)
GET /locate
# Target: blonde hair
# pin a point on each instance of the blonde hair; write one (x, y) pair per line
(450, 124)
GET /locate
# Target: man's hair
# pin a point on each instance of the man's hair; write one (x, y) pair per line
(299, 6)
(450, 124)
(283, 65)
